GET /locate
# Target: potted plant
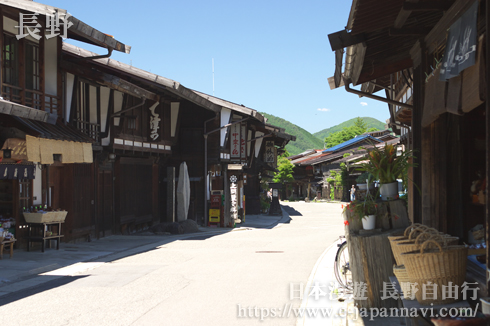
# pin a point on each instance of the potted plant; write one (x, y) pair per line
(386, 166)
(264, 204)
(365, 210)
(361, 181)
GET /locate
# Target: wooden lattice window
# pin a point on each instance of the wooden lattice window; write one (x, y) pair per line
(10, 68)
(32, 76)
(25, 193)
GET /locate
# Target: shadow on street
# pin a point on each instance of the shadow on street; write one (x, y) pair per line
(291, 211)
(18, 295)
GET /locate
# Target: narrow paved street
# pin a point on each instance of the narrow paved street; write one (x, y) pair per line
(203, 280)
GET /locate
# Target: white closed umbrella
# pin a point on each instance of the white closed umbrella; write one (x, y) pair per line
(183, 193)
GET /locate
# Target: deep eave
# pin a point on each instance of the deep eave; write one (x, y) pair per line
(389, 32)
(206, 101)
(79, 31)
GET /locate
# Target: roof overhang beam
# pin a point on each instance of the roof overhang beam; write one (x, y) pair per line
(109, 80)
(343, 39)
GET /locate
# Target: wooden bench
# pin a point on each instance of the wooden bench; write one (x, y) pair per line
(7, 242)
(40, 232)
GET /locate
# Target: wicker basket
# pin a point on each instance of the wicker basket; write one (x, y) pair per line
(418, 233)
(406, 234)
(47, 217)
(438, 266)
(402, 277)
(404, 246)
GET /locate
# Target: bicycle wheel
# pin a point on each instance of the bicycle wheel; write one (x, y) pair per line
(342, 268)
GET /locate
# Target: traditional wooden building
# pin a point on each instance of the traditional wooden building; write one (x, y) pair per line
(104, 140)
(145, 124)
(429, 59)
(33, 116)
(313, 169)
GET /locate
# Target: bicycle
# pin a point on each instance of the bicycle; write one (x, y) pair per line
(342, 270)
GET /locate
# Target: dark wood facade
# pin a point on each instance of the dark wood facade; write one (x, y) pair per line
(138, 124)
(452, 145)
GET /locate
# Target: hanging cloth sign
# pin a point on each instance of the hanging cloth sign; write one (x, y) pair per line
(460, 50)
(235, 141)
(17, 171)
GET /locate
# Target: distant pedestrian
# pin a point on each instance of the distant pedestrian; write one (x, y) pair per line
(352, 193)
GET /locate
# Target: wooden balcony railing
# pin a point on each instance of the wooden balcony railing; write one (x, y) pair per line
(31, 98)
(90, 129)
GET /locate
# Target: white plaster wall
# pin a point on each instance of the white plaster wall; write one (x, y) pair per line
(9, 26)
(225, 119)
(258, 142)
(70, 80)
(104, 107)
(51, 65)
(37, 190)
(174, 115)
(93, 104)
(106, 141)
(118, 100)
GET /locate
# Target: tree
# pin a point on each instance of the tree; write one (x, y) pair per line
(347, 133)
(285, 168)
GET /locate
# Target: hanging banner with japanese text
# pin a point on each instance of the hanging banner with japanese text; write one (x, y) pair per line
(243, 142)
(235, 141)
(270, 156)
(461, 42)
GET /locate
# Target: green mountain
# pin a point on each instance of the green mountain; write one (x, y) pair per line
(304, 140)
(371, 123)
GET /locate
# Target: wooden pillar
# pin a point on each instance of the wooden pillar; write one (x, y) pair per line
(418, 54)
(426, 171)
(226, 192)
(170, 194)
(155, 194)
(370, 255)
(61, 103)
(487, 116)
(1, 50)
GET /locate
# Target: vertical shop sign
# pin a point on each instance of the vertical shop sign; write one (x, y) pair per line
(234, 199)
(235, 141)
(269, 152)
(154, 122)
(243, 142)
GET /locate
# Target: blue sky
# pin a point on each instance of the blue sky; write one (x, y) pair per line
(272, 56)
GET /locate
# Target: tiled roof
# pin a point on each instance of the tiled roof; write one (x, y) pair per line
(351, 142)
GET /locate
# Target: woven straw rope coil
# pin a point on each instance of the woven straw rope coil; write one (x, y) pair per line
(438, 266)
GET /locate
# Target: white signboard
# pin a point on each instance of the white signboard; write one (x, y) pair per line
(234, 199)
(154, 122)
